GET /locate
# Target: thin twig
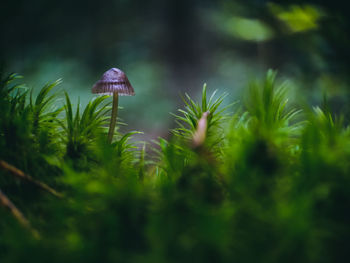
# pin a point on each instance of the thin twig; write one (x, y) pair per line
(18, 173)
(5, 201)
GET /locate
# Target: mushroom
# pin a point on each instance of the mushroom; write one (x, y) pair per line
(113, 81)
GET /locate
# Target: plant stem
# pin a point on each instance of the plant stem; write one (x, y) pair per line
(113, 117)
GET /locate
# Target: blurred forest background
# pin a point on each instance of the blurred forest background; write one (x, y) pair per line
(170, 47)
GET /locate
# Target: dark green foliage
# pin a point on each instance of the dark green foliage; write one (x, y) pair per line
(269, 183)
(81, 129)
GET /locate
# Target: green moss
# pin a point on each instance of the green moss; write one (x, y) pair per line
(270, 183)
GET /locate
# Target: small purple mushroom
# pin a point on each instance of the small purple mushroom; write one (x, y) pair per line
(113, 81)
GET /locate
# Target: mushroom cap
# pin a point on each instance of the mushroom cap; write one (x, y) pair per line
(114, 80)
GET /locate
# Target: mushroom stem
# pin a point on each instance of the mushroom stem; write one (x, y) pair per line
(113, 117)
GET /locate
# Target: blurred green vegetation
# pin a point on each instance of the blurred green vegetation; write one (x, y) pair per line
(267, 182)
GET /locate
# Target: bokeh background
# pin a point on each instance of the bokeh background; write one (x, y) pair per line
(167, 48)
